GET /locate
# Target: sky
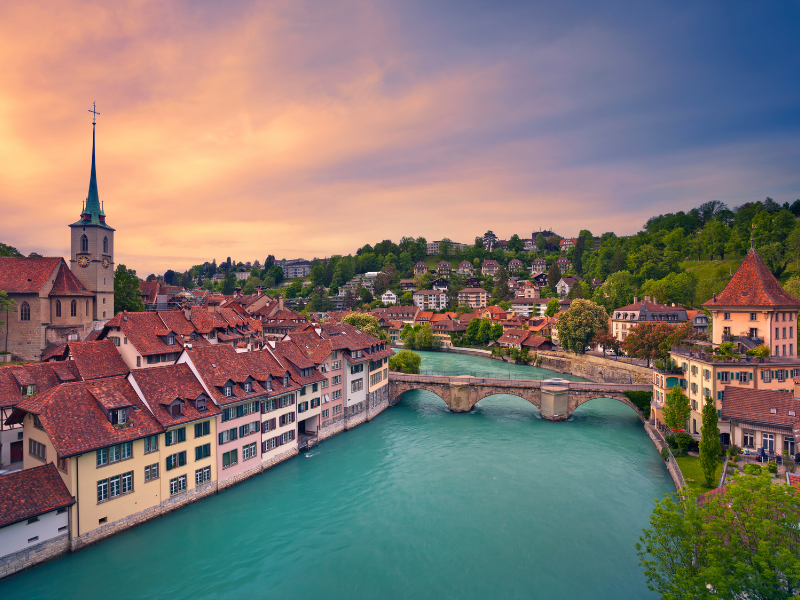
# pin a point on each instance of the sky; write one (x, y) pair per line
(306, 129)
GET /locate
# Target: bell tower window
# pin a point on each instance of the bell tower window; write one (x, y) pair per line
(105, 245)
(58, 308)
(84, 243)
(73, 308)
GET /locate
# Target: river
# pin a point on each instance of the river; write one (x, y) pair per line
(419, 503)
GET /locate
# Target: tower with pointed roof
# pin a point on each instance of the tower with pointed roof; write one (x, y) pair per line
(92, 254)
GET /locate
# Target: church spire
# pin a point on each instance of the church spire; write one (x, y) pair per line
(92, 213)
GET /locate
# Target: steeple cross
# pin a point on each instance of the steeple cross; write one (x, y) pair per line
(94, 113)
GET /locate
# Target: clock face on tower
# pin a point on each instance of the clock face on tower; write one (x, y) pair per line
(83, 261)
(106, 262)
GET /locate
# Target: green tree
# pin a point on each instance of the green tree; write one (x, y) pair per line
(793, 245)
(745, 544)
(405, 361)
(7, 305)
(677, 410)
(408, 335)
(366, 323)
(793, 286)
(553, 275)
(229, 283)
(500, 290)
(484, 331)
(515, 244)
(319, 301)
(126, 291)
(292, 291)
(772, 255)
(425, 340)
(6, 250)
(552, 308)
(710, 448)
(541, 243)
(580, 324)
(407, 299)
(366, 295)
(445, 247)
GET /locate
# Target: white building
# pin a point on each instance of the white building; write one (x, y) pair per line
(430, 299)
(34, 518)
(389, 297)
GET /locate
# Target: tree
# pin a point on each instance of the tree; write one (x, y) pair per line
(793, 286)
(229, 283)
(515, 244)
(366, 323)
(772, 255)
(319, 300)
(169, 275)
(552, 308)
(7, 305)
(500, 290)
(541, 243)
(577, 255)
(366, 295)
(650, 340)
(407, 299)
(607, 341)
(553, 275)
(126, 291)
(710, 448)
(6, 250)
(405, 361)
(742, 543)
(580, 325)
(677, 410)
(445, 247)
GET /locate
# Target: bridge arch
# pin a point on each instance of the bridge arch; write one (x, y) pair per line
(578, 398)
(531, 395)
(398, 388)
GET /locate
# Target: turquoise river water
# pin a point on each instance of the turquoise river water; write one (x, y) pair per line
(419, 503)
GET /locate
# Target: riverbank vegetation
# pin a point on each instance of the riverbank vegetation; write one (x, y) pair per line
(405, 361)
(741, 541)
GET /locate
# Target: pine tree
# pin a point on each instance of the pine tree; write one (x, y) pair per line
(710, 448)
(677, 409)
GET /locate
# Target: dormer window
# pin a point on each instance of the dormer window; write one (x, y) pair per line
(285, 381)
(119, 417)
(27, 390)
(227, 390)
(248, 387)
(773, 411)
(200, 405)
(170, 340)
(175, 409)
(194, 337)
(268, 384)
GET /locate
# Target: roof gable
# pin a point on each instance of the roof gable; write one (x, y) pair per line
(23, 275)
(753, 285)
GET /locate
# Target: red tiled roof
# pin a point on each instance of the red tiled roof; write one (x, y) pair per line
(97, 359)
(752, 285)
(755, 405)
(58, 352)
(22, 275)
(161, 386)
(793, 479)
(32, 492)
(43, 376)
(218, 364)
(73, 419)
(143, 330)
(176, 321)
(67, 284)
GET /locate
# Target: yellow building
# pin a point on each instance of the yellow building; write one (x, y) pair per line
(752, 297)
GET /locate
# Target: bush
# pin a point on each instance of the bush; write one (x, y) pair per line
(772, 467)
(679, 442)
(751, 469)
(665, 454)
(641, 400)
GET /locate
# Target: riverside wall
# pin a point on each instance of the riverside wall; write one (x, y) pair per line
(595, 368)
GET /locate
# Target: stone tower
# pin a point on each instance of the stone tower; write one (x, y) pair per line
(92, 254)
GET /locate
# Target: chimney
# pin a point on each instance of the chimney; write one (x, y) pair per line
(280, 302)
(635, 300)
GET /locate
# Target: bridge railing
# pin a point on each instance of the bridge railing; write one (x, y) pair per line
(470, 378)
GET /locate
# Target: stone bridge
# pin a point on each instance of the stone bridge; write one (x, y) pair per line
(555, 399)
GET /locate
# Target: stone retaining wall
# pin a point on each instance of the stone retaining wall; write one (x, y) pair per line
(595, 368)
(331, 427)
(659, 444)
(34, 555)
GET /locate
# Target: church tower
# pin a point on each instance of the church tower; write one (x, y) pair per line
(92, 254)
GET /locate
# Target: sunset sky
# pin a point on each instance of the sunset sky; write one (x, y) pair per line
(305, 129)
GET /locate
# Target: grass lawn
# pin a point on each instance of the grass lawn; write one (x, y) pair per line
(693, 473)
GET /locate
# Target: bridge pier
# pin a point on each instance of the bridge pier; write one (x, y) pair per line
(555, 403)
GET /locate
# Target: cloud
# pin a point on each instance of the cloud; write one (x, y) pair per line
(307, 129)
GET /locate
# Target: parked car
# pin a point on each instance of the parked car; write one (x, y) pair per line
(610, 353)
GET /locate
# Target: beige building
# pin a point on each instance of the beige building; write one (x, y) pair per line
(474, 297)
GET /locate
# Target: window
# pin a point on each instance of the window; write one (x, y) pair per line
(24, 312)
(336, 409)
(325, 383)
(336, 380)
(303, 391)
(356, 369)
(336, 395)
(314, 402)
(150, 444)
(115, 340)
(249, 428)
(726, 316)
(84, 244)
(119, 417)
(127, 482)
(170, 340)
(63, 464)
(286, 419)
(87, 314)
(177, 485)
(73, 308)
(201, 429)
(176, 460)
(326, 413)
(754, 316)
(228, 435)
(748, 439)
(151, 472)
(201, 452)
(202, 475)
(114, 486)
(249, 451)
(285, 381)
(286, 437)
(37, 450)
(58, 308)
(314, 387)
(302, 407)
(102, 490)
(247, 386)
(105, 245)
(175, 436)
(227, 390)
(357, 385)
(336, 364)
(138, 361)
(229, 459)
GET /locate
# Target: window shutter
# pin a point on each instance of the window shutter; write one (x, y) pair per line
(233, 434)
(272, 423)
(225, 414)
(198, 453)
(182, 458)
(182, 434)
(751, 377)
(220, 439)
(263, 427)
(263, 447)
(719, 375)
